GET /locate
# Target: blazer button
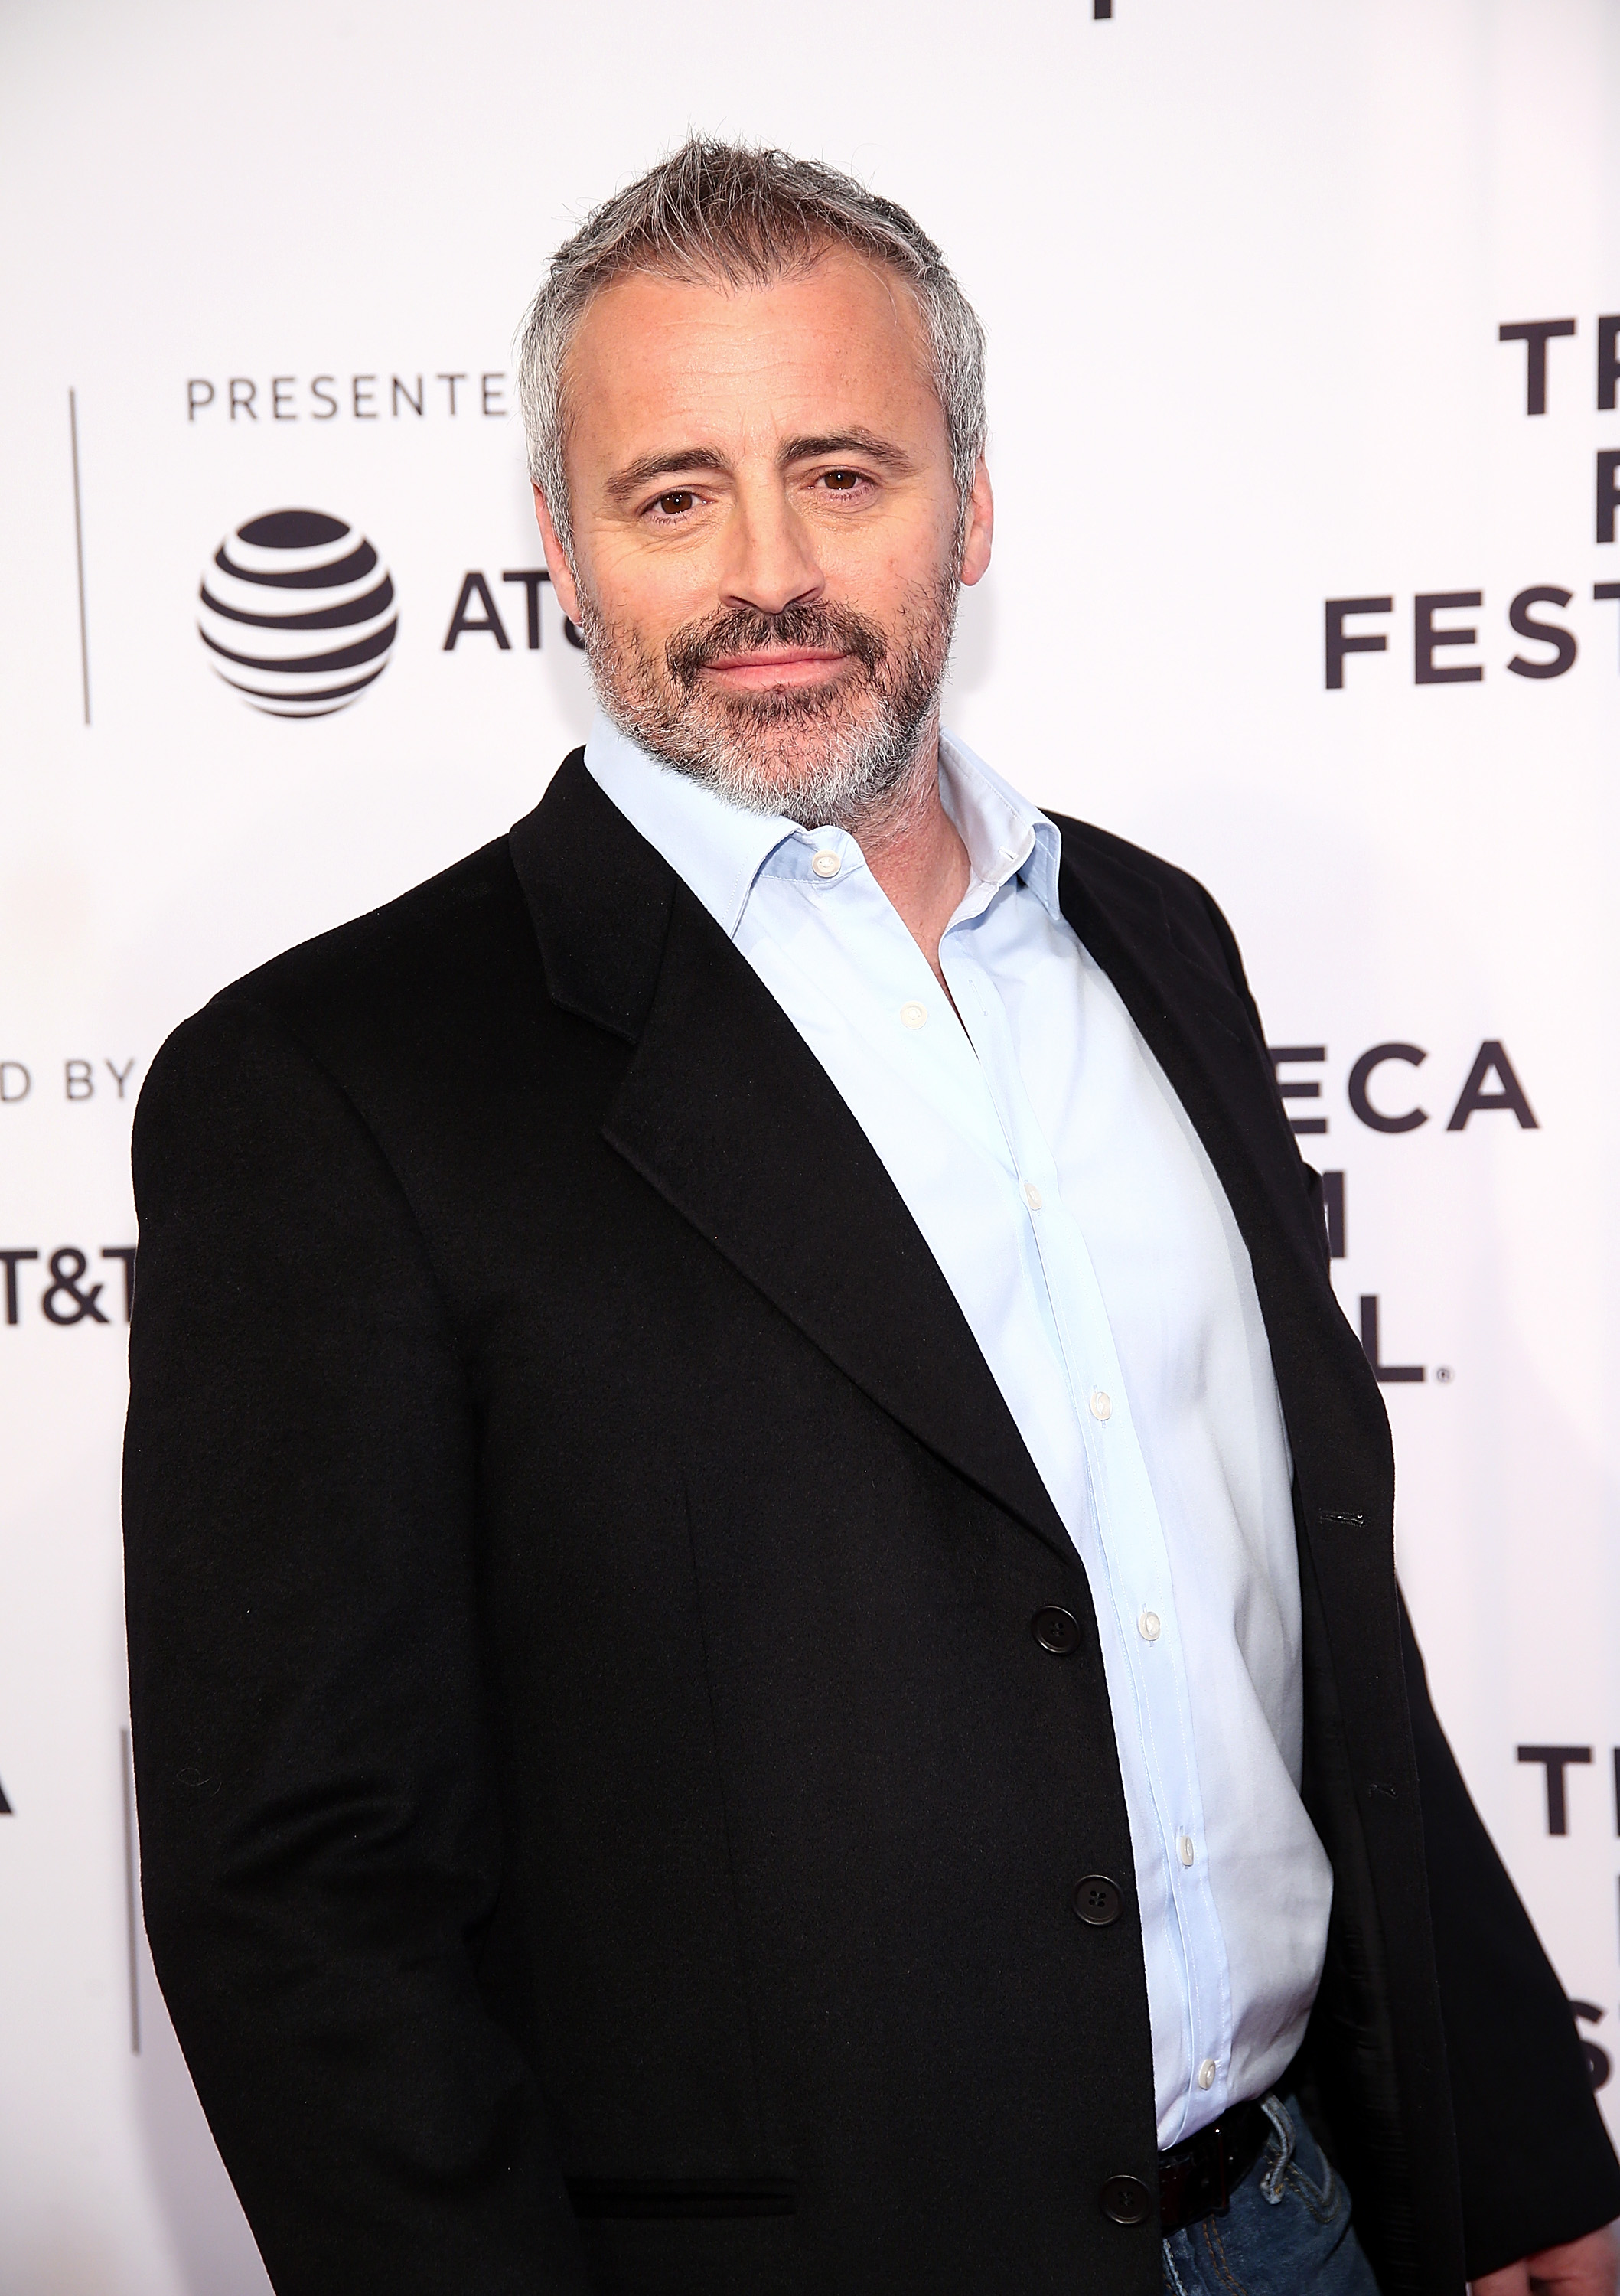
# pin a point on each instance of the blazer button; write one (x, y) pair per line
(1057, 1631)
(1098, 1901)
(1126, 2201)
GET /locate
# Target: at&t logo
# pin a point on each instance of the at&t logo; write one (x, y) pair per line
(298, 613)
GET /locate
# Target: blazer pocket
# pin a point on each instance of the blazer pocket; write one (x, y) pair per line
(648, 2200)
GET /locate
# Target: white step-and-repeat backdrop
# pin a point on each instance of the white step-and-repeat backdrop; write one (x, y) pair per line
(1304, 392)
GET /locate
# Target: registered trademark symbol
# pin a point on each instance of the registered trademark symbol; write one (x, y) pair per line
(1443, 1373)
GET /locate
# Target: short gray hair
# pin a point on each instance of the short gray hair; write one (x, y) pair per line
(742, 218)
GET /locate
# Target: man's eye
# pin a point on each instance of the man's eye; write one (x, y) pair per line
(840, 482)
(675, 504)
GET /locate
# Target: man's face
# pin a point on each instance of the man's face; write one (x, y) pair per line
(767, 537)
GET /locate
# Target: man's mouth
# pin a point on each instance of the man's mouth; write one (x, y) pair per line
(811, 650)
(775, 665)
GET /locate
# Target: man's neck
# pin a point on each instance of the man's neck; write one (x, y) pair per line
(912, 849)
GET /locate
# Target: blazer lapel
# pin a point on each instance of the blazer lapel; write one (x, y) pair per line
(1169, 969)
(730, 1116)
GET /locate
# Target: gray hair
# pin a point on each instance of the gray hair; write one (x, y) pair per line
(742, 217)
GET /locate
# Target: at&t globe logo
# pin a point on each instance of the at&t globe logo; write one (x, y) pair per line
(298, 613)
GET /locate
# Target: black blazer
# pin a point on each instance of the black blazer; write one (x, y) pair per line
(606, 1821)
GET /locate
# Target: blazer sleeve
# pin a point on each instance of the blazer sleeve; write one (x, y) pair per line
(1536, 2164)
(320, 1848)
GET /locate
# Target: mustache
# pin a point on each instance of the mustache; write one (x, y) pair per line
(748, 631)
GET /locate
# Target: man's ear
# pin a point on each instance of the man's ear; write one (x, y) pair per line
(557, 562)
(981, 527)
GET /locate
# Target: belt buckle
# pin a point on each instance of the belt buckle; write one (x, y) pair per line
(1195, 2187)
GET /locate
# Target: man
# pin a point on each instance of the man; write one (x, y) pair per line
(763, 1643)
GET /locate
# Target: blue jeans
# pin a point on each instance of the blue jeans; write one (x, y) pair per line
(1287, 2232)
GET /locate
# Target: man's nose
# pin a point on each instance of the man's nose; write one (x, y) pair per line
(769, 559)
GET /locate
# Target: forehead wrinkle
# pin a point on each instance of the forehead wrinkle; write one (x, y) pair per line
(796, 265)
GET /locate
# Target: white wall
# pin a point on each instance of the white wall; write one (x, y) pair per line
(1243, 264)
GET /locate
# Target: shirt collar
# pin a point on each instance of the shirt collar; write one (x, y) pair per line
(720, 848)
(1005, 835)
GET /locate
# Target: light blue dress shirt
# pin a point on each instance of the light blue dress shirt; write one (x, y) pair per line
(1074, 1211)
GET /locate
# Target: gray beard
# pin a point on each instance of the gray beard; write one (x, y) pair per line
(846, 756)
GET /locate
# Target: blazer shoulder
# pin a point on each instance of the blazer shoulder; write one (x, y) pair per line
(1185, 911)
(1084, 843)
(401, 988)
(442, 934)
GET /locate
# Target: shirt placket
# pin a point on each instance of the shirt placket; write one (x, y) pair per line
(896, 994)
(1129, 1541)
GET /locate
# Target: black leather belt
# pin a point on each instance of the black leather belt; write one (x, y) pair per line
(1197, 2179)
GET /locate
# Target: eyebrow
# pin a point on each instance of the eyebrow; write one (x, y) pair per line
(637, 475)
(866, 444)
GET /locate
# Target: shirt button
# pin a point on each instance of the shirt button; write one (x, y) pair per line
(826, 865)
(1032, 1195)
(1147, 1626)
(1103, 1405)
(1206, 2073)
(913, 1015)
(1183, 1848)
